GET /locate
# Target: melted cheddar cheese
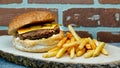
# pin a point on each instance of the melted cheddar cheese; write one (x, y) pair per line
(36, 27)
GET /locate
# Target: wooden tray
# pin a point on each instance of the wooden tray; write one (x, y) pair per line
(35, 59)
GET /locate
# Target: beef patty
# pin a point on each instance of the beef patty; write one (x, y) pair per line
(38, 34)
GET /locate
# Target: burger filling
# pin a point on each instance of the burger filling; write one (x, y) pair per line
(38, 31)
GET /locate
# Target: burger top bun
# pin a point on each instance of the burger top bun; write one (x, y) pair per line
(29, 18)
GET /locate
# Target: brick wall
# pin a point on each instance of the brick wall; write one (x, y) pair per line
(95, 18)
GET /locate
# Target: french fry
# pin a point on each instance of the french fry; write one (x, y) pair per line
(96, 42)
(91, 42)
(69, 35)
(83, 43)
(68, 50)
(77, 49)
(89, 54)
(80, 52)
(61, 52)
(68, 41)
(104, 51)
(74, 45)
(71, 44)
(62, 42)
(77, 45)
(88, 46)
(49, 54)
(54, 49)
(73, 32)
(72, 39)
(88, 50)
(72, 53)
(98, 49)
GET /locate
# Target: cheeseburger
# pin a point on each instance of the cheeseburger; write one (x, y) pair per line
(35, 31)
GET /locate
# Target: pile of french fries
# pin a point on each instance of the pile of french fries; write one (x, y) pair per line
(75, 46)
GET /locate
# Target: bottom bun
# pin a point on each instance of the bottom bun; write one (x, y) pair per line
(41, 45)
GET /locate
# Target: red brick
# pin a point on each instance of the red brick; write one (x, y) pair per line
(83, 34)
(108, 36)
(108, 17)
(3, 32)
(109, 1)
(77, 1)
(78, 16)
(44, 1)
(10, 1)
(92, 17)
(62, 1)
(7, 14)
